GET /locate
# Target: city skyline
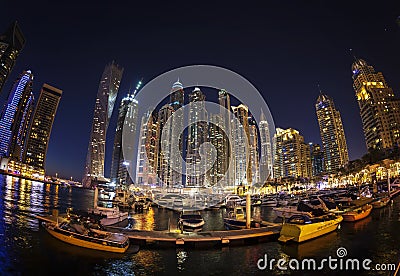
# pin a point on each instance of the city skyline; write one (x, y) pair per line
(331, 68)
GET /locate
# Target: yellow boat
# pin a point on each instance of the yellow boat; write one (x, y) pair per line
(300, 228)
(77, 234)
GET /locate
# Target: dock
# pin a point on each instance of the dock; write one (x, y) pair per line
(189, 239)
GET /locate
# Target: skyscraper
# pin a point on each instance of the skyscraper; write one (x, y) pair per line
(41, 125)
(15, 118)
(317, 159)
(379, 109)
(266, 161)
(164, 145)
(11, 44)
(127, 121)
(106, 96)
(227, 160)
(332, 134)
(292, 156)
(241, 147)
(217, 138)
(196, 157)
(176, 139)
(147, 156)
(254, 151)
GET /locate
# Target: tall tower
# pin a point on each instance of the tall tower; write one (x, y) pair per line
(164, 145)
(292, 156)
(147, 156)
(266, 161)
(11, 44)
(254, 150)
(241, 151)
(217, 138)
(127, 121)
(15, 118)
(226, 156)
(41, 125)
(106, 96)
(379, 109)
(332, 134)
(197, 135)
(176, 139)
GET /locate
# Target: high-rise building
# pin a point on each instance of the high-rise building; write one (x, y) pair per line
(11, 44)
(217, 138)
(146, 167)
(292, 156)
(332, 134)
(16, 116)
(176, 139)
(164, 145)
(41, 125)
(227, 160)
(266, 161)
(317, 159)
(254, 150)
(126, 124)
(241, 147)
(106, 96)
(379, 109)
(196, 156)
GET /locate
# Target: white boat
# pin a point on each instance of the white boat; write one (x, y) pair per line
(110, 215)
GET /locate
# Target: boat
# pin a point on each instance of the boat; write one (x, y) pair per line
(236, 220)
(269, 202)
(110, 215)
(190, 222)
(382, 202)
(300, 228)
(358, 213)
(76, 233)
(232, 200)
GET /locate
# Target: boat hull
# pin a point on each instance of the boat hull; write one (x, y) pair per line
(287, 212)
(74, 240)
(303, 232)
(357, 215)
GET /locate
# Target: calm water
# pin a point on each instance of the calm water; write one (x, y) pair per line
(26, 248)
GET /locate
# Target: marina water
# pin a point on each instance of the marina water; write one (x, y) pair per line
(27, 249)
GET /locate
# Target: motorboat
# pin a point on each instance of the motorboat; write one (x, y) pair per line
(190, 222)
(357, 213)
(300, 228)
(79, 234)
(380, 203)
(110, 216)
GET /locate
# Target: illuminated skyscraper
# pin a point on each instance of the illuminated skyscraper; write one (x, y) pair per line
(106, 96)
(16, 116)
(241, 147)
(332, 134)
(266, 161)
(11, 44)
(226, 156)
(176, 139)
(379, 109)
(292, 156)
(127, 121)
(164, 145)
(254, 151)
(217, 138)
(42, 123)
(147, 156)
(317, 159)
(196, 157)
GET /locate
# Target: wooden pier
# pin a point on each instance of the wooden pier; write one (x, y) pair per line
(200, 239)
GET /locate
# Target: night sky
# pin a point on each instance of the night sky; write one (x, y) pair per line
(285, 50)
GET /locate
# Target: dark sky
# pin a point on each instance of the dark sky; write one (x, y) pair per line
(285, 50)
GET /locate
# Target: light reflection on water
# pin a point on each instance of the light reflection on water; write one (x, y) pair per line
(26, 248)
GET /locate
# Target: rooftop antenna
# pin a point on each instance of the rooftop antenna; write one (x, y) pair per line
(137, 88)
